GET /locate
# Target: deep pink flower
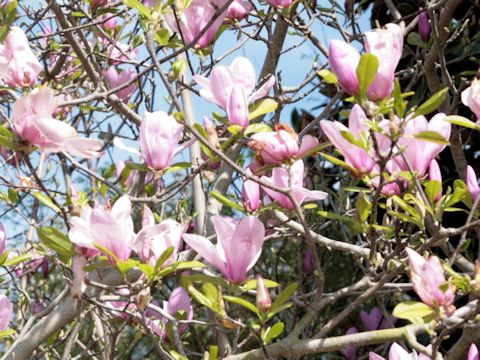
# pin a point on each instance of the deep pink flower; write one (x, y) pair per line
(344, 59)
(111, 229)
(350, 352)
(114, 78)
(19, 67)
(375, 319)
(355, 156)
(33, 122)
(427, 278)
(280, 3)
(6, 312)
(239, 245)
(239, 9)
(195, 18)
(424, 28)
(293, 179)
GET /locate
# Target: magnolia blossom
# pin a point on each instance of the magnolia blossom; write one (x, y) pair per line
(276, 147)
(280, 3)
(263, 300)
(232, 88)
(292, 179)
(112, 229)
(386, 44)
(114, 78)
(471, 98)
(350, 352)
(375, 320)
(195, 18)
(6, 312)
(398, 353)
(427, 278)
(239, 245)
(153, 240)
(251, 195)
(179, 301)
(239, 9)
(159, 137)
(18, 65)
(33, 122)
(473, 353)
(354, 155)
(3, 238)
(472, 183)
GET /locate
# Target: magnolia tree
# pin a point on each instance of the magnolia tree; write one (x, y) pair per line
(239, 179)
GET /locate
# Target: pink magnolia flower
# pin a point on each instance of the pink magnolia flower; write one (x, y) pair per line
(110, 21)
(398, 353)
(424, 28)
(18, 65)
(251, 195)
(292, 179)
(6, 312)
(153, 240)
(112, 229)
(354, 155)
(434, 173)
(179, 301)
(232, 88)
(375, 319)
(280, 3)
(114, 78)
(471, 98)
(276, 147)
(100, 2)
(473, 353)
(344, 59)
(472, 183)
(195, 18)
(239, 245)
(159, 137)
(386, 44)
(239, 9)
(263, 300)
(350, 352)
(33, 122)
(3, 238)
(427, 278)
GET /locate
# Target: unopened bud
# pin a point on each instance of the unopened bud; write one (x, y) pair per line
(424, 28)
(264, 303)
(308, 262)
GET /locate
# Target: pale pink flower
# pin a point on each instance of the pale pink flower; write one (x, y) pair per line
(472, 183)
(6, 312)
(239, 245)
(473, 353)
(280, 3)
(115, 78)
(398, 353)
(471, 98)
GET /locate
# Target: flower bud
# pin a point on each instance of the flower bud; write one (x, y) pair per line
(424, 28)
(308, 263)
(264, 303)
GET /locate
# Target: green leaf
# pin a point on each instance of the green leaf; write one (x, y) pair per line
(162, 37)
(45, 200)
(263, 107)
(7, 333)
(271, 333)
(273, 311)
(226, 201)
(352, 139)
(398, 103)
(433, 103)
(252, 284)
(137, 5)
(432, 136)
(136, 166)
(165, 255)
(338, 162)
(364, 207)
(206, 279)
(56, 240)
(242, 302)
(148, 270)
(178, 66)
(202, 299)
(211, 292)
(366, 71)
(178, 166)
(284, 295)
(4, 257)
(328, 76)
(432, 189)
(177, 266)
(17, 260)
(462, 121)
(411, 310)
(256, 128)
(177, 356)
(414, 39)
(213, 352)
(235, 129)
(124, 266)
(460, 191)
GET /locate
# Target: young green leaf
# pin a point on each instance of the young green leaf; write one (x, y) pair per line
(411, 310)
(366, 71)
(271, 333)
(461, 121)
(432, 136)
(56, 240)
(433, 103)
(263, 107)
